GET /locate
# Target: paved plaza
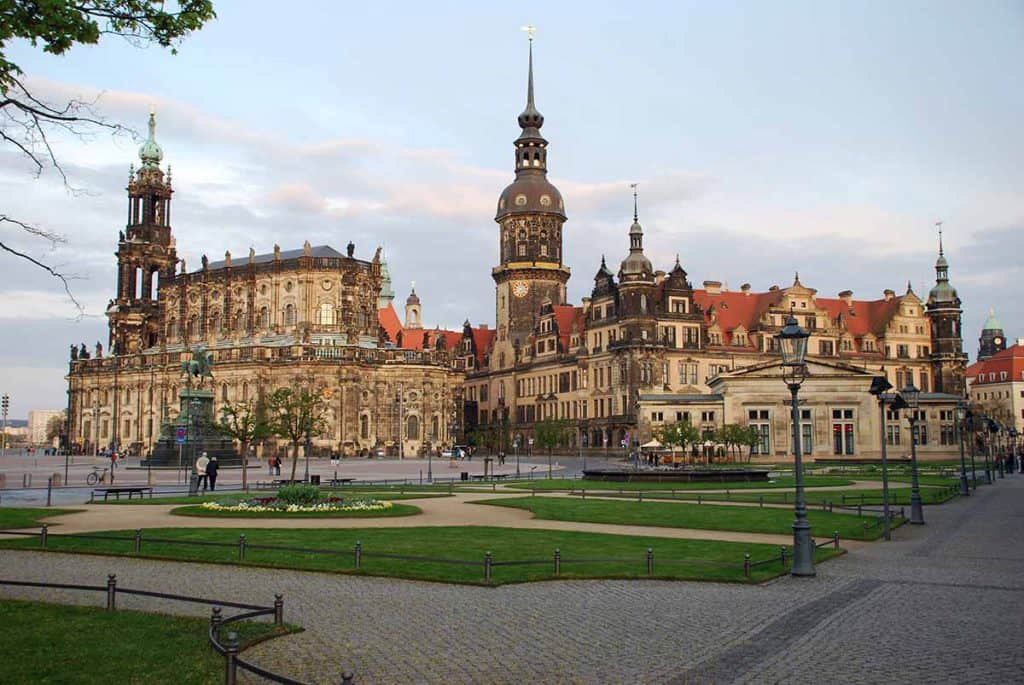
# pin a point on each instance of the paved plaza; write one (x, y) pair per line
(941, 603)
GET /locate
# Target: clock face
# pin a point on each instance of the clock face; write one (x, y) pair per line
(998, 341)
(520, 288)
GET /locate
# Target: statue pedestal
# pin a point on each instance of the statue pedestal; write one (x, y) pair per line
(195, 418)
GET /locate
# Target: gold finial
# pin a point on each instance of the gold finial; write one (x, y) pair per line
(530, 30)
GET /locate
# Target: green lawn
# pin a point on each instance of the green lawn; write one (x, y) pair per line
(680, 515)
(814, 498)
(571, 484)
(51, 643)
(14, 517)
(708, 559)
(395, 510)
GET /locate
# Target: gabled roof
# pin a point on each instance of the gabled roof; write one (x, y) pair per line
(734, 309)
(868, 316)
(568, 318)
(1010, 361)
(389, 320)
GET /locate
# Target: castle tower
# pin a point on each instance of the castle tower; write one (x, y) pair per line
(943, 309)
(530, 216)
(637, 286)
(145, 253)
(413, 318)
(387, 293)
(992, 339)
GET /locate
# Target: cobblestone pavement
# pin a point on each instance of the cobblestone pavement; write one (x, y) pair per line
(941, 603)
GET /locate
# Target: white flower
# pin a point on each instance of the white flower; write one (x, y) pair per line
(356, 505)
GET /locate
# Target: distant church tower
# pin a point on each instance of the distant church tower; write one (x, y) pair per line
(943, 309)
(387, 294)
(413, 318)
(992, 339)
(145, 253)
(530, 216)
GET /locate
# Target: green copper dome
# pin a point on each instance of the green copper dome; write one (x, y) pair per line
(150, 152)
(992, 323)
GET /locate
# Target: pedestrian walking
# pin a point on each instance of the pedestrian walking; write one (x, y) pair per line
(270, 465)
(211, 473)
(277, 465)
(201, 463)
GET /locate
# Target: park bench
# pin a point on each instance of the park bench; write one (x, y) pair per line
(130, 490)
(341, 481)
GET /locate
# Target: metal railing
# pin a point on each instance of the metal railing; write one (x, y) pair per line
(230, 648)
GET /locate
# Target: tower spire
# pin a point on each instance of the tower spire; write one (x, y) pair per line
(939, 224)
(150, 152)
(636, 215)
(530, 120)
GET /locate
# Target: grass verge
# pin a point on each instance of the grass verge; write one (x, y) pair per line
(851, 498)
(571, 484)
(702, 516)
(705, 559)
(52, 643)
(27, 517)
(236, 496)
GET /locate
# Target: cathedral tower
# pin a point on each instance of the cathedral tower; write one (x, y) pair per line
(943, 308)
(530, 215)
(145, 253)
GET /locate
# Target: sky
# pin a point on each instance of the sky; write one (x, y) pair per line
(766, 138)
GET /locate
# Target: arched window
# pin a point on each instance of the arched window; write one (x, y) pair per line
(643, 304)
(326, 314)
(193, 326)
(245, 391)
(289, 315)
(434, 435)
(364, 426)
(239, 320)
(412, 427)
(264, 318)
(172, 329)
(215, 322)
(522, 249)
(224, 392)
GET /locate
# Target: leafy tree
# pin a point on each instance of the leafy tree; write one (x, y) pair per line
(296, 414)
(750, 437)
(680, 434)
(551, 434)
(55, 427)
(28, 122)
(246, 422)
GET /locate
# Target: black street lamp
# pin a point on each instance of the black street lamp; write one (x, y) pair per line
(792, 343)
(990, 425)
(912, 396)
(879, 386)
(961, 415)
(970, 424)
(1013, 449)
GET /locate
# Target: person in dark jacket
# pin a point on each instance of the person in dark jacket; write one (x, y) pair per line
(211, 472)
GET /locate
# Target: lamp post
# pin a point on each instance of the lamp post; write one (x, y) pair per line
(515, 446)
(971, 425)
(912, 396)
(1013, 449)
(792, 343)
(401, 441)
(989, 425)
(5, 405)
(307, 454)
(1000, 429)
(879, 386)
(961, 414)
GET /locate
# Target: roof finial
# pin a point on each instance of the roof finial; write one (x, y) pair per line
(635, 214)
(939, 224)
(530, 30)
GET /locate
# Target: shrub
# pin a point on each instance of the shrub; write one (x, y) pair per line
(299, 494)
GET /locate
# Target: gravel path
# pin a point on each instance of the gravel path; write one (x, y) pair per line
(941, 603)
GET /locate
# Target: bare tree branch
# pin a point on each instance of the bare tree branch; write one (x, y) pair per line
(54, 239)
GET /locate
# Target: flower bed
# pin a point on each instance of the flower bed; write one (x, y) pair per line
(273, 504)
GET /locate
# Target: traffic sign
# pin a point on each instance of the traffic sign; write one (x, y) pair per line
(180, 434)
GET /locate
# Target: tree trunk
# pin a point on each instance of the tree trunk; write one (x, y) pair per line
(245, 459)
(295, 457)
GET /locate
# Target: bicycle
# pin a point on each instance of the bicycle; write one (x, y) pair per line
(98, 475)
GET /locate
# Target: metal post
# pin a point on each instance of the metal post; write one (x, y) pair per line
(916, 511)
(215, 621)
(278, 610)
(650, 561)
(231, 660)
(887, 534)
(241, 547)
(558, 561)
(347, 678)
(803, 544)
(138, 540)
(974, 469)
(835, 538)
(965, 489)
(49, 490)
(988, 471)
(5, 403)
(111, 592)
(359, 554)
(746, 565)
(782, 555)
(44, 535)
(487, 566)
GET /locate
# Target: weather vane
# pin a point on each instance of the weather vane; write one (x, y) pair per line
(939, 224)
(530, 30)
(635, 213)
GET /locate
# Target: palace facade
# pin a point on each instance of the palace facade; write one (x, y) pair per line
(645, 348)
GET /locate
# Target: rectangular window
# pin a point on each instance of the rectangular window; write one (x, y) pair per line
(825, 348)
(842, 431)
(657, 417)
(758, 419)
(892, 434)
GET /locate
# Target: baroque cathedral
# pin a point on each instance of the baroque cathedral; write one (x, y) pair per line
(645, 348)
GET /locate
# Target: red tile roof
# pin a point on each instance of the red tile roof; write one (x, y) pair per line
(735, 309)
(1009, 361)
(569, 319)
(862, 316)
